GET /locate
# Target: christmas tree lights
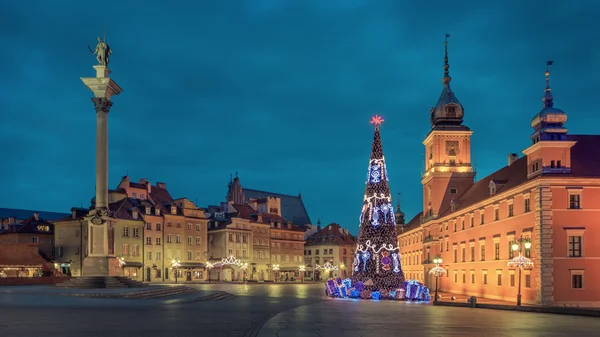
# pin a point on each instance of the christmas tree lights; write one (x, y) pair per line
(377, 269)
(377, 259)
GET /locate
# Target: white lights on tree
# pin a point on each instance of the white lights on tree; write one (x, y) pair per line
(121, 261)
(377, 261)
(175, 263)
(275, 267)
(302, 268)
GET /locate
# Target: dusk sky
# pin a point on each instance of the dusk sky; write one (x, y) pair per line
(280, 91)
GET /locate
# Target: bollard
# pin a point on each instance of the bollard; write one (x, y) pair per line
(472, 302)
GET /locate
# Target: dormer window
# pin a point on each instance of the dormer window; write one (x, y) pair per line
(134, 214)
(173, 210)
(451, 110)
(157, 211)
(452, 205)
(147, 209)
(492, 187)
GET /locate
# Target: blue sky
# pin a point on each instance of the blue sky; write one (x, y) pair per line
(280, 91)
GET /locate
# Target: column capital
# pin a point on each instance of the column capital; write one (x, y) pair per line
(101, 104)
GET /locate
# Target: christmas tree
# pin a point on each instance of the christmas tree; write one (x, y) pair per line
(377, 259)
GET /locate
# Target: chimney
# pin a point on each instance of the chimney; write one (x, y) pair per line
(36, 216)
(252, 203)
(143, 181)
(161, 185)
(512, 157)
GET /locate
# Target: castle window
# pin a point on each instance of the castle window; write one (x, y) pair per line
(558, 164)
(492, 187)
(453, 190)
(452, 162)
(451, 110)
(552, 164)
(574, 201)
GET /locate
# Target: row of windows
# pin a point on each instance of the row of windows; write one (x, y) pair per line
(484, 279)
(326, 251)
(287, 245)
(576, 278)
(482, 251)
(190, 240)
(238, 237)
(510, 212)
(286, 236)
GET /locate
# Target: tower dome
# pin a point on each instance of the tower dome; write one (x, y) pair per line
(548, 124)
(447, 110)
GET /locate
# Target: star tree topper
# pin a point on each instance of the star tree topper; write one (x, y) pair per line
(376, 120)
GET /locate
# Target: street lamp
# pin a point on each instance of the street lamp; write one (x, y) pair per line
(175, 263)
(276, 271)
(437, 271)
(302, 269)
(520, 261)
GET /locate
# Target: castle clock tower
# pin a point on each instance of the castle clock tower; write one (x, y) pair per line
(448, 169)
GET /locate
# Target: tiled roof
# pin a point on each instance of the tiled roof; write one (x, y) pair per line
(584, 155)
(245, 211)
(584, 163)
(508, 177)
(21, 255)
(415, 222)
(22, 214)
(161, 197)
(267, 218)
(30, 225)
(292, 207)
(331, 235)
(138, 185)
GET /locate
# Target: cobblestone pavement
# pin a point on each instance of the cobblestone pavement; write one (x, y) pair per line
(279, 310)
(341, 318)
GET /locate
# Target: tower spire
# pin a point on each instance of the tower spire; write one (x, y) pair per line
(548, 100)
(446, 79)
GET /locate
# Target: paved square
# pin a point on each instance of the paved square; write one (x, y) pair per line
(277, 310)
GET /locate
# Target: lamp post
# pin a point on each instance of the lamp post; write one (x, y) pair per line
(302, 269)
(175, 263)
(437, 271)
(276, 272)
(520, 261)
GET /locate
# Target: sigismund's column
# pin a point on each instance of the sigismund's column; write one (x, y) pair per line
(101, 259)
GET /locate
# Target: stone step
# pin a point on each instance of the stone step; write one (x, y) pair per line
(100, 282)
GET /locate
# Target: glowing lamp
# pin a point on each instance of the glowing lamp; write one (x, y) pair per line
(515, 247)
(527, 244)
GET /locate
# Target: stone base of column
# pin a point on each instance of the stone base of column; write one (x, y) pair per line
(101, 266)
